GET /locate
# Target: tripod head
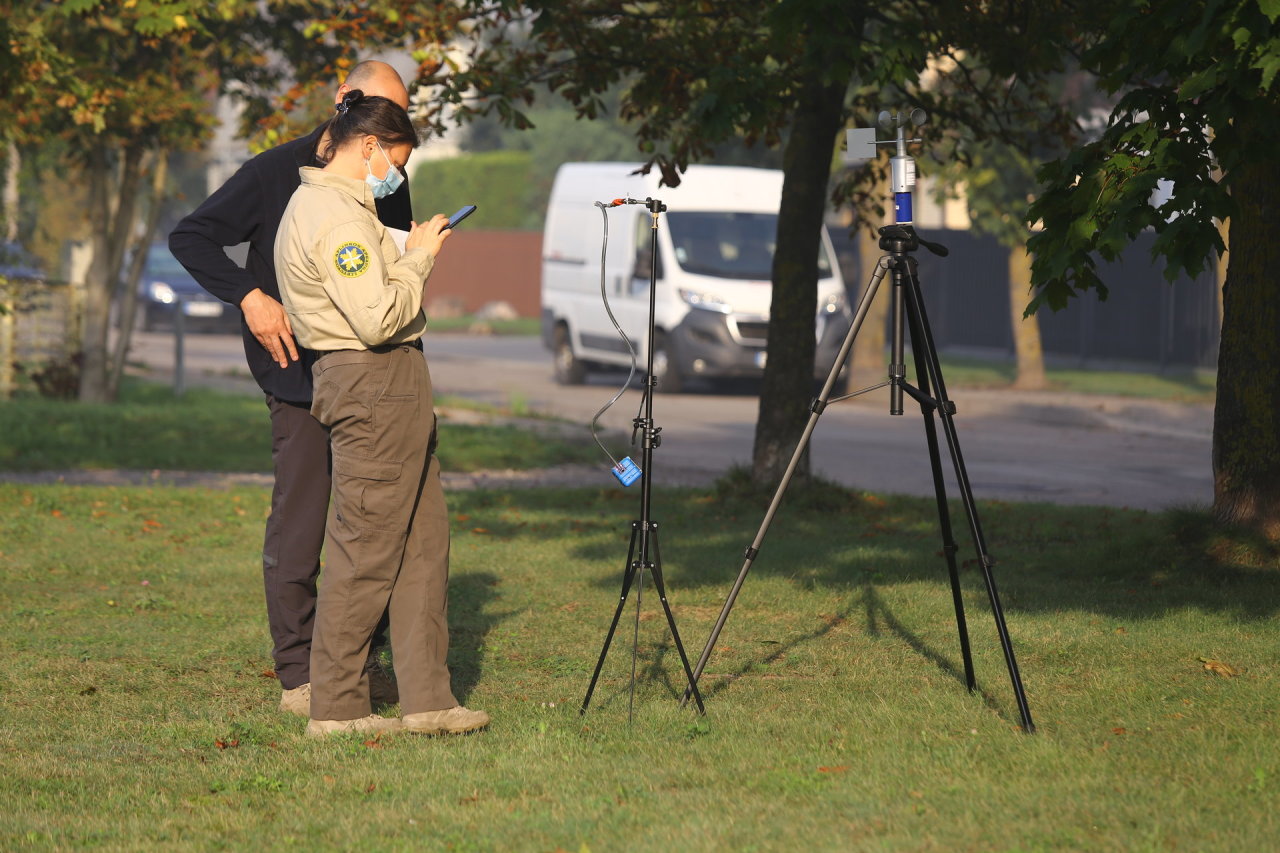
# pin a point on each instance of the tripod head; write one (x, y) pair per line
(899, 239)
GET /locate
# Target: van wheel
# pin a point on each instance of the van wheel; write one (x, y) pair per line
(568, 369)
(666, 365)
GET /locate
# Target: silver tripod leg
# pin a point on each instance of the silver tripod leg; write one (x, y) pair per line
(819, 404)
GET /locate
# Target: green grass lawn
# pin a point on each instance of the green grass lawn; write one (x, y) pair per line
(466, 325)
(139, 706)
(1186, 386)
(207, 430)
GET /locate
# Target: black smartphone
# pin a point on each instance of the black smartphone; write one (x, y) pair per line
(463, 213)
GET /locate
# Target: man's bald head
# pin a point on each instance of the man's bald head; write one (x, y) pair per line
(375, 79)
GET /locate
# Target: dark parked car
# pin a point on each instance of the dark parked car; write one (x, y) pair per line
(17, 264)
(166, 284)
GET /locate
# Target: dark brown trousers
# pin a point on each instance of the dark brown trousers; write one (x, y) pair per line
(294, 536)
(387, 539)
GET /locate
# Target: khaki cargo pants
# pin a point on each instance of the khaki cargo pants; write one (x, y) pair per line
(387, 537)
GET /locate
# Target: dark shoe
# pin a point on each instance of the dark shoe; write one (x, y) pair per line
(382, 684)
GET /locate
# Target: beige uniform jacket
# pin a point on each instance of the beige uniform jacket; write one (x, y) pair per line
(343, 281)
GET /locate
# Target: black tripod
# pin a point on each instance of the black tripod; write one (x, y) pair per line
(643, 554)
(900, 241)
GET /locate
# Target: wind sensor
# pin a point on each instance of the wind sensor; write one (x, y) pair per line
(860, 145)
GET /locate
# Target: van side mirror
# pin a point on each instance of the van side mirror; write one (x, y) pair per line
(642, 269)
(644, 243)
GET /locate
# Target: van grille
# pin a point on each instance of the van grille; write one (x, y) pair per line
(754, 331)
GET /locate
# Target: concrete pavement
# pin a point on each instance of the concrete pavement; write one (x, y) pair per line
(1027, 446)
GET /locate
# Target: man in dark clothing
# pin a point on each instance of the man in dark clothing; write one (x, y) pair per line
(248, 208)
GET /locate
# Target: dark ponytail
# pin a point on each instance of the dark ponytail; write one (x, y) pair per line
(359, 115)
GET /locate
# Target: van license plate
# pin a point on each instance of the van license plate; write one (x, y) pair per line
(761, 358)
(202, 309)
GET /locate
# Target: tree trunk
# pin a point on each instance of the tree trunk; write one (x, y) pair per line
(12, 163)
(1026, 330)
(1220, 266)
(111, 204)
(869, 363)
(1246, 423)
(129, 296)
(788, 376)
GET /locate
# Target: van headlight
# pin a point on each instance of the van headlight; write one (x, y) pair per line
(834, 304)
(161, 292)
(705, 301)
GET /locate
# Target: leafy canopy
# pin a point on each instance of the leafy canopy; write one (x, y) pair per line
(1192, 74)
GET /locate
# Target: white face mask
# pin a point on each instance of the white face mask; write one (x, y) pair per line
(383, 187)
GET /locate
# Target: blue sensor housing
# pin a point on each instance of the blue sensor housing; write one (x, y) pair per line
(626, 471)
(902, 208)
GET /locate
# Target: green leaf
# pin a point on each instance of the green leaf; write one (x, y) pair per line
(1200, 82)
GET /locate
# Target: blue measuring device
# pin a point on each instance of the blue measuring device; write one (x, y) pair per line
(626, 471)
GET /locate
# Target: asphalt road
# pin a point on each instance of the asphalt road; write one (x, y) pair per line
(1042, 446)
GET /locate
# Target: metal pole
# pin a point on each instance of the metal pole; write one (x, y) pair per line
(179, 347)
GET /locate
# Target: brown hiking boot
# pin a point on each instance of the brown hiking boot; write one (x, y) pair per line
(297, 700)
(452, 721)
(371, 725)
(382, 684)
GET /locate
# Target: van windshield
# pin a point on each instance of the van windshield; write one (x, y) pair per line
(726, 244)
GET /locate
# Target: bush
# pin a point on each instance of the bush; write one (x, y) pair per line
(499, 183)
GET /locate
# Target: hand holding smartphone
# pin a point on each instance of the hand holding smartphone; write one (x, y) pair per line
(462, 213)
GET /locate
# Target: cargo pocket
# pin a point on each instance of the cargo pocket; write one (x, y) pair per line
(346, 386)
(367, 493)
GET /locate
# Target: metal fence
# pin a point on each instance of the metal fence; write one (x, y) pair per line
(39, 326)
(1145, 322)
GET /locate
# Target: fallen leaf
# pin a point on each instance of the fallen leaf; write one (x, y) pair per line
(1121, 631)
(226, 744)
(372, 787)
(373, 744)
(838, 768)
(1217, 667)
(479, 530)
(1119, 731)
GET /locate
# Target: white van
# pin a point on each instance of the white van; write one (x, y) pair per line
(715, 258)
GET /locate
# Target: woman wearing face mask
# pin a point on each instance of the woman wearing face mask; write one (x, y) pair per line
(352, 297)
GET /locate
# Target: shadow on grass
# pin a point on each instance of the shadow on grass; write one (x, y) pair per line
(665, 669)
(470, 621)
(877, 613)
(1049, 558)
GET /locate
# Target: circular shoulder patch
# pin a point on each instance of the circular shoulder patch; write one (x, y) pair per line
(351, 259)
